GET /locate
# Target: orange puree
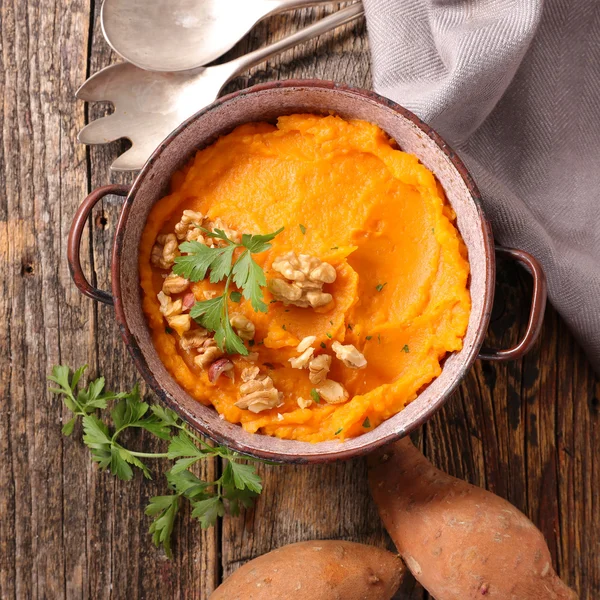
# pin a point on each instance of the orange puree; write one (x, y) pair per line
(372, 211)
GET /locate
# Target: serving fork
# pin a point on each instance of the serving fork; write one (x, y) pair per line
(150, 105)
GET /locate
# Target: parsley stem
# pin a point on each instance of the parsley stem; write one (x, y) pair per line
(122, 428)
(140, 454)
(225, 316)
(149, 454)
(195, 437)
(117, 432)
(81, 412)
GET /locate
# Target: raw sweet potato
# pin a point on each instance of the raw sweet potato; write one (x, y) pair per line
(459, 541)
(319, 570)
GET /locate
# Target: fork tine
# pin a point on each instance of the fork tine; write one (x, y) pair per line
(98, 87)
(101, 131)
(132, 160)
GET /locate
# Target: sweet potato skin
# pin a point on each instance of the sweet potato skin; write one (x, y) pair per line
(317, 570)
(459, 541)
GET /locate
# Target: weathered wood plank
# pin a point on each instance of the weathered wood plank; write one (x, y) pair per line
(42, 175)
(578, 467)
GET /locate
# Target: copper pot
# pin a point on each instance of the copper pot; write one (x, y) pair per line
(265, 103)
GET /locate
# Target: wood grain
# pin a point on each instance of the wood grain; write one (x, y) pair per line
(525, 430)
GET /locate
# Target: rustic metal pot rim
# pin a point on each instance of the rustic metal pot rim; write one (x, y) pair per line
(342, 453)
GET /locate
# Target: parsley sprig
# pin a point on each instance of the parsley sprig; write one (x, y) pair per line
(198, 259)
(237, 486)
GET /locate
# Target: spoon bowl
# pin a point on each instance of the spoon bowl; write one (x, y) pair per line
(149, 105)
(168, 35)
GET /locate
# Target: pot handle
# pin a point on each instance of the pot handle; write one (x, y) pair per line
(74, 241)
(536, 314)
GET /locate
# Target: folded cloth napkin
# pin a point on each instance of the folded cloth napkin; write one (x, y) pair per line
(514, 87)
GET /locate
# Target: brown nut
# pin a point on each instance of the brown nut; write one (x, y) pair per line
(332, 392)
(175, 284)
(318, 368)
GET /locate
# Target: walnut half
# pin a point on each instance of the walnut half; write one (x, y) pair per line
(258, 392)
(165, 251)
(193, 339)
(305, 276)
(208, 352)
(175, 284)
(188, 227)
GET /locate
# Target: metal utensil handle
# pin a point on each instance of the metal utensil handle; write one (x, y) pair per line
(79, 221)
(281, 5)
(538, 306)
(341, 17)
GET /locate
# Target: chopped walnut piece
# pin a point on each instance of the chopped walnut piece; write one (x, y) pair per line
(180, 323)
(349, 355)
(302, 361)
(165, 251)
(250, 373)
(208, 353)
(303, 403)
(257, 392)
(193, 339)
(318, 368)
(169, 307)
(175, 284)
(306, 275)
(332, 392)
(306, 342)
(188, 227)
(243, 326)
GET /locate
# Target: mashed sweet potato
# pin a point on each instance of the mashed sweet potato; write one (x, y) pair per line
(347, 195)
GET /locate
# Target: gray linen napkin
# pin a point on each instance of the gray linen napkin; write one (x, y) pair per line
(514, 87)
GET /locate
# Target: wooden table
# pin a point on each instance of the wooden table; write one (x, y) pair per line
(527, 430)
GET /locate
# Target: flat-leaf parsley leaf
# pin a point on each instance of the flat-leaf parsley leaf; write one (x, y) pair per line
(198, 259)
(238, 485)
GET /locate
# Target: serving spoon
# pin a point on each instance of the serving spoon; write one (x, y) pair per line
(149, 105)
(168, 35)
